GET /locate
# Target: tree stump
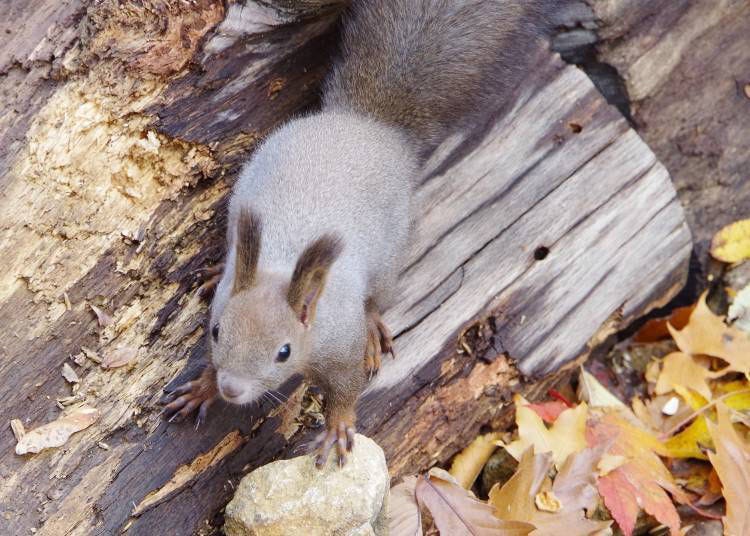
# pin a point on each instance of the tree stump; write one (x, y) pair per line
(538, 234)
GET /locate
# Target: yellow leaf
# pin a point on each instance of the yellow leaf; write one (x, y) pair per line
(706, 333)
(688, 443)
(566, 436)
(469, 462)
(680, 369)
(732, 243)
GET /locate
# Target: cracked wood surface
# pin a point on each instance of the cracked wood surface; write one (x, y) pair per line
(533, 233)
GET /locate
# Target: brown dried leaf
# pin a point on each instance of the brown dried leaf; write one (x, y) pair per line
(102, 317)
(680, 369)
(404, 516)
(120, 357)
(732, 463)
(516, 499)
(706, 333)
(469, 462)
(57, 433)
(456, 512)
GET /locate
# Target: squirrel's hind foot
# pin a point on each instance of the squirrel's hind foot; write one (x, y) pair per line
(340, 434)
(197, 394)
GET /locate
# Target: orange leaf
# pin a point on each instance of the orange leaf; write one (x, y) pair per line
(656, 329)
(642, 481)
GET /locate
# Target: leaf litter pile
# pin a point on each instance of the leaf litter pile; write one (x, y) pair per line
(674, 459)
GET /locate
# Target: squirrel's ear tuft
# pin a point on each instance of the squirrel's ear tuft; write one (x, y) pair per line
(310, 275)
(248, 250)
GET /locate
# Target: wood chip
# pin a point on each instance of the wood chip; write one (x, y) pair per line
(102, 445)
(18, 430)
(92, 355)
(66, 299)
(747, 91)
(102, 317)
(69, 374)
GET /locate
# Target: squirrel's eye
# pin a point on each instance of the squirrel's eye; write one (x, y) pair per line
(215, 332)
(284, 353)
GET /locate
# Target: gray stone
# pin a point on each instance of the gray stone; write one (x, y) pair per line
(294, 497)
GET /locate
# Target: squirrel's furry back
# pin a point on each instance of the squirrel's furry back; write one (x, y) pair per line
(429, 66)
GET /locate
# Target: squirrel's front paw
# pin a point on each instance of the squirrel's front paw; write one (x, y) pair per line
(379, 342)
(199, 393)
(340, 434)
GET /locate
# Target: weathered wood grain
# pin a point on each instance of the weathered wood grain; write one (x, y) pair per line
(116, 196)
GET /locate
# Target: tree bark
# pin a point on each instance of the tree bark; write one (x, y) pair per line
(537, 235)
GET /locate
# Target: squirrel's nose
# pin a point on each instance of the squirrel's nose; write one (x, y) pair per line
(230, 388)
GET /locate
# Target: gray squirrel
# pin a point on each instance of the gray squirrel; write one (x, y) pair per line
(320, 216)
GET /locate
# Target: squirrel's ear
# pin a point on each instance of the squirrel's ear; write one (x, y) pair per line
(248, 250)
(310, 275)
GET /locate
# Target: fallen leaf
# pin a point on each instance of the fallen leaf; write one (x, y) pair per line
(732, 463)
(57, 433)
(517, 499)
(706, 333)
(566, 436)
(681, 369)
(610, 462)
(18, 430)
(695, 439)
(656, 329)
(457, 512)
(69, 374)
(469, 462)
(102, 317)
(549, 411)
(732, 243)
(596, 394)
(641, 481)
(404, 516)
(120, 357)
(575, 483)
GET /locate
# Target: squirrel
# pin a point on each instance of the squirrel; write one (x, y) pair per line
(320, 216)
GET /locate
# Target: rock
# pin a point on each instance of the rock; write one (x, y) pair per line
(293, 497)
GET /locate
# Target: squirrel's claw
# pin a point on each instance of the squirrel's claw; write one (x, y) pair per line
(211, 276)
(379, 342)
(342, 436)
(197, 394)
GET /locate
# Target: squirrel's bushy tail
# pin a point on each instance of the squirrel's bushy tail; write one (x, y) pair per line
(431, 65)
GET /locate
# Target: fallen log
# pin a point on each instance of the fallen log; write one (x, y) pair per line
(537, 235)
